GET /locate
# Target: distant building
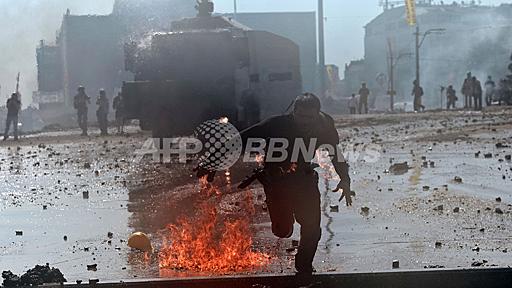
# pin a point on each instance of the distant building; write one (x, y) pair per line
(476, 39)
(89, 51)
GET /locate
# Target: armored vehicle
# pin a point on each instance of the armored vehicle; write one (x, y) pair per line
(206, 68)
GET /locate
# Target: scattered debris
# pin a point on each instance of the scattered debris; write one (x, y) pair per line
(439, 244)
(457, 179)
(434, 267)
(498, 210)
(456, 210)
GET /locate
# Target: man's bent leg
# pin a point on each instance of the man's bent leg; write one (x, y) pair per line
(280, 210)
(15, 127)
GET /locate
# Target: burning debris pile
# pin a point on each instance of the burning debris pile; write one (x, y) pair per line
(208, 242)
(39, 275)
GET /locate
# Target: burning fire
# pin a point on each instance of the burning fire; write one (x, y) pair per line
(207, 243)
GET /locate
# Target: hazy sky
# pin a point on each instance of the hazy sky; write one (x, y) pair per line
(24, 22)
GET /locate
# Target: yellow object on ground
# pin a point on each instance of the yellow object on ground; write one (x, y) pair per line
(140, 241)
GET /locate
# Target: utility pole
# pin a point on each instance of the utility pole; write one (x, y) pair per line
(419, 43)
(235, 9)
(418, 55)
(391, 86)
(321, 47)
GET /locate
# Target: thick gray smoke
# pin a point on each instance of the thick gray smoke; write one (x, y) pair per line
(22, 25)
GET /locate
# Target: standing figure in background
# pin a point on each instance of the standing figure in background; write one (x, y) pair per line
(477, 93)
(467, 89)
(352, 104)
(118, 106)
(490, 89)
(80, 103)
(451, 94)
(364, 92)
(417, 92)
(102, 112)
(13, 110)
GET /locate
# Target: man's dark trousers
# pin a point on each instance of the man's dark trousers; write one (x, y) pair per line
(297, 198)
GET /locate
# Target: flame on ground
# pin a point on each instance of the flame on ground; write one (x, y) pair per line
(207, 243)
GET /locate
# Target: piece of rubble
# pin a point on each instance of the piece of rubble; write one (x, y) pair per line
(335, 208)
(476, 249)
(87, 165)
(439, 208)
(439, 244)
(426, 188)
(456, 210)
(396, 264)
(399, 168)
(365, 210)
(19, 233)
(498, 199)
(37, 276)
(488, 155)
(92, 267)
(457, 179)
(85, 195)
(498, 210)
(295, 243)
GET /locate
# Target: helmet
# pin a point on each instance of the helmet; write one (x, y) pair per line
(140, 241)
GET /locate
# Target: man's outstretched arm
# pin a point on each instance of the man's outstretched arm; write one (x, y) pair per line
(342, 169)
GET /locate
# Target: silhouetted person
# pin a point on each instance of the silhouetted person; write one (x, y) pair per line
(477, 93)
(417, 92)
(364, 93)
(451, 94)
(467, 90)
(102, 112)
(490, 91)
(352, 104)
(81, 102)
(119, 106)
(13, 110)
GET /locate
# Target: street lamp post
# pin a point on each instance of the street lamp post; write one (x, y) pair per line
(419, 43)
(235, 9)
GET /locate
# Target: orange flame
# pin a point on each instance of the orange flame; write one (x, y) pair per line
(205, 243)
